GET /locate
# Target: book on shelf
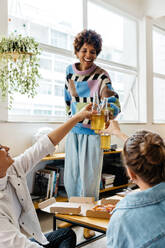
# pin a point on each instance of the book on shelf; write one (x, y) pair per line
(35, 197)
(40, 184)
(106, 175)
(59, 169)
(107, 179)
(46, 183)
(101, 184)
(56, 175)
(52, 183)
(108, 186)
(56, 185)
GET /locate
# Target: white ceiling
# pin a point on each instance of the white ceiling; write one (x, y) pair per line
(140, 8)
(154, 8)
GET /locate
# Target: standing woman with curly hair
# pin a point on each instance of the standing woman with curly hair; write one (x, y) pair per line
(139, 219)
(83, 156)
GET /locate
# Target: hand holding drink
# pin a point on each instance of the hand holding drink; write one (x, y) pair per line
(100, 119)
(101, 114)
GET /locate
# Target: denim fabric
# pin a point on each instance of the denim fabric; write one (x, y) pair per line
(138, 220)
(83, 165)
(61, 238)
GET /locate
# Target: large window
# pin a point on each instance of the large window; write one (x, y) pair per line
(50, 92)
(119, 53)
(54, 24)
(50, 22)
(115, 31)
(159, 75)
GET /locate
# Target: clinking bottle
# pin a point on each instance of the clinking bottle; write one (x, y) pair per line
(105, 141)
(105, 138)
(104, 109)
(97, 119)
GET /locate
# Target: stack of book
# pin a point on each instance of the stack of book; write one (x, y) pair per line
(46, 183)
(107, 180)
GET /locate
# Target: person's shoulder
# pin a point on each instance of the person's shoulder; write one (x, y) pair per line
(121, 207)
(120, 216)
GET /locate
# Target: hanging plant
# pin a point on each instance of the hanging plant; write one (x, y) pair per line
(19, 66)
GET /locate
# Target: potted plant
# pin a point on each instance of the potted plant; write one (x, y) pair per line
(19, 64)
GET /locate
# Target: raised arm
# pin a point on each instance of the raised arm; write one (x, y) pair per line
(57, 135)
(114, 129)
(45, 145)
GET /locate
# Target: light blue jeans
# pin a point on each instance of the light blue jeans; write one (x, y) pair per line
(83, 165)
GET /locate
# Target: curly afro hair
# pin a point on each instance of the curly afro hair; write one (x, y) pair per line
(89, 37)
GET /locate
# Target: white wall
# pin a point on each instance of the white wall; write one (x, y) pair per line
(18, 136)
(131, 128)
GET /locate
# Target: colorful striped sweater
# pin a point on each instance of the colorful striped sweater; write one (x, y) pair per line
(79, 89)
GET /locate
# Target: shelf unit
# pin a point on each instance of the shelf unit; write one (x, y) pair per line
(114, 188)
(61, 156)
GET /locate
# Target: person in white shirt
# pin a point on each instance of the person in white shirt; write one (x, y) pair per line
(16, 207)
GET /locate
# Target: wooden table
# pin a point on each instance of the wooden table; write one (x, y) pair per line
(95, 224)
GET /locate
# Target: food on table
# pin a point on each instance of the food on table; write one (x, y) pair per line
(104, 208)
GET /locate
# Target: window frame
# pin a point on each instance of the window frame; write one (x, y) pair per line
(156, 75)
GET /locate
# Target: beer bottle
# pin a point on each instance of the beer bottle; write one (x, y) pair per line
(95, 105)
(97, 119)
(105, 141)
(106, 111)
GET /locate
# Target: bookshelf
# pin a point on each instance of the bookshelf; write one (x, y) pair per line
(111, 164)
(114, 188)
(56, 156)
(61, 155)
